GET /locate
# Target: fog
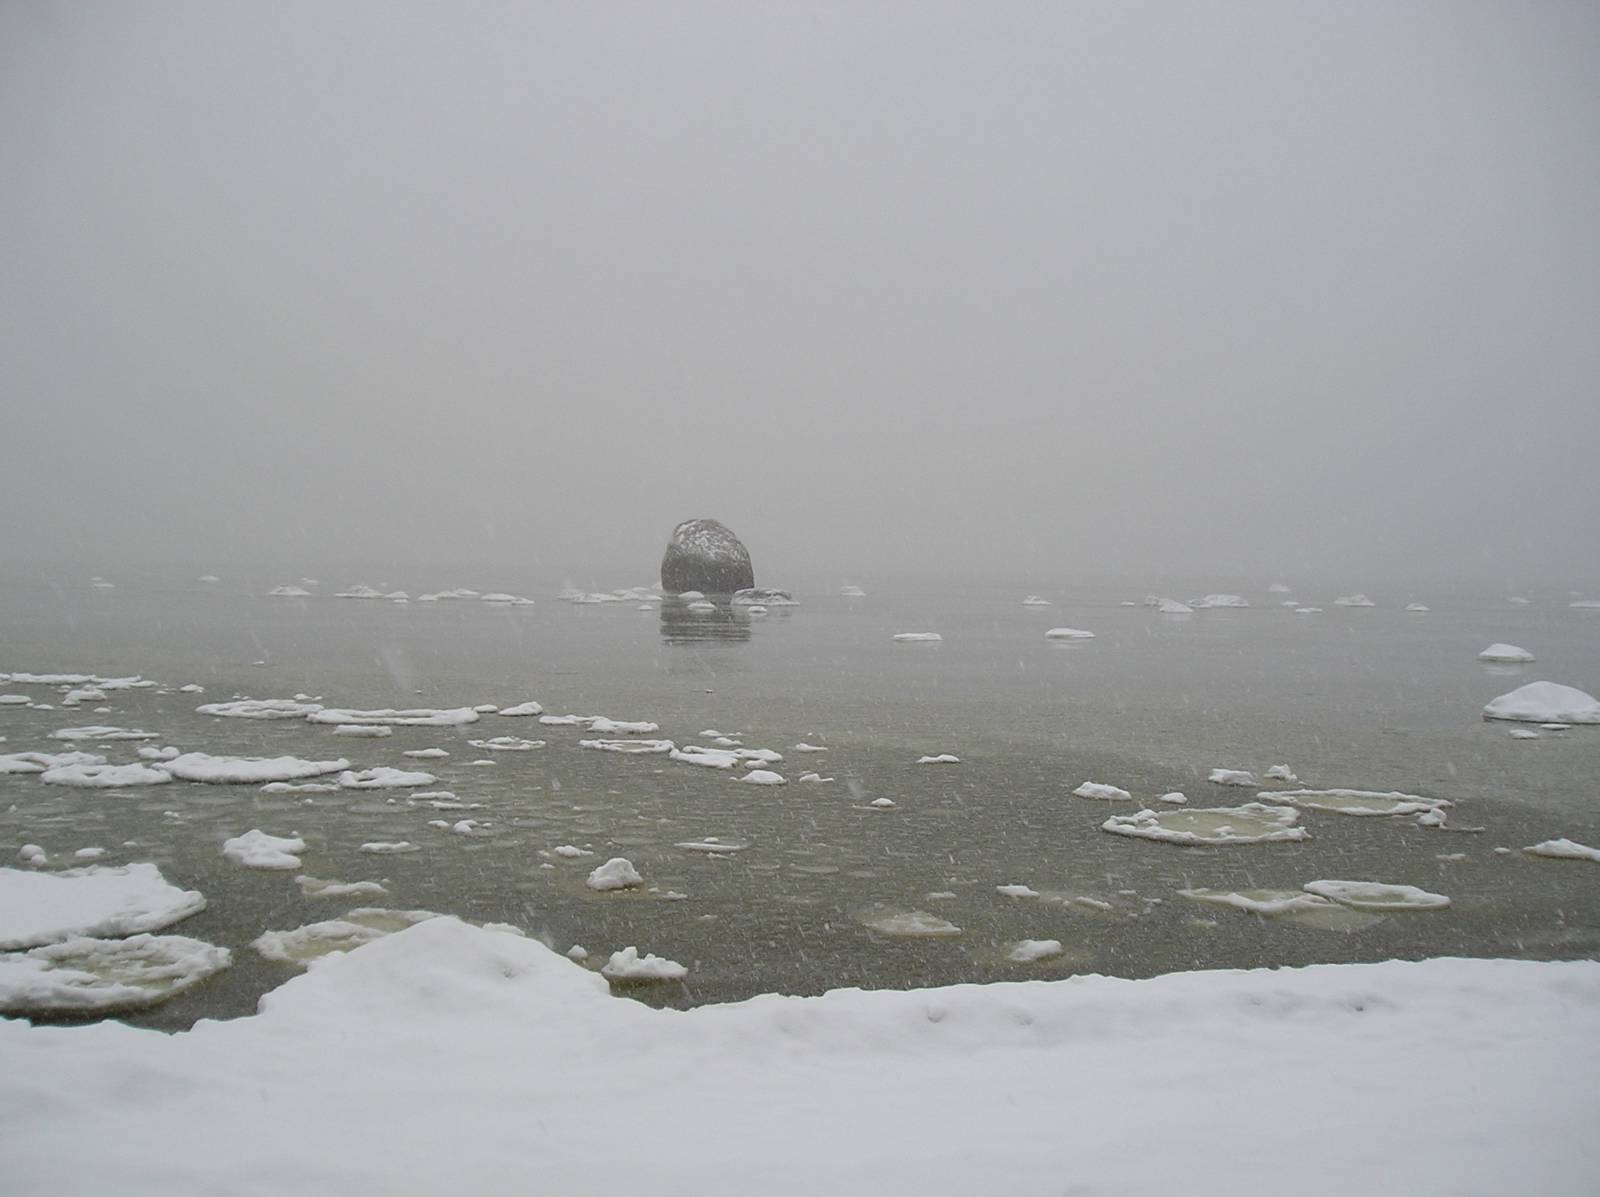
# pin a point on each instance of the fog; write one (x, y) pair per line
(1246, 289)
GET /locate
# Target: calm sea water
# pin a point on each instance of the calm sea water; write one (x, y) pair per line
(1364, 698)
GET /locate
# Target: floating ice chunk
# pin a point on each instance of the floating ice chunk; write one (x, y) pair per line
(255, 849)
(1172, 607)
(89, 853)
(1173, 797)
(1524, 733)
(632, 747)
(304, 944)
(1233, 777)
(852, 592)
(911, 924)
(105, 776)
(239, 770)
(570, 851)
(621, 727)
(507, 744)
(312, 887)
(359, 591)
(82, 695)
(38, 762)
(917, 637)
(1545, 702)
(1377, 895)
(14, 700)
(1277, 588)
(689, 595)
(98, 901)
(1308, 610)
(382, 777)
(1260, 901)
(1507, 653)
(1016, 891)
(32, 854)
(289, 787)
(103, 976)
(1068, 634)
(804, 747)
(261, 708)
(159, 754)
(1418, 608)
(389, 848)
(376, 730)
(627, 965)
(465, 826)
(426, 754)
(709, 758)
(1034, 600)
(764, 777)
(1026, 951)
(882, 804)
(522, 708)
(101, 732)
(1354, 600)
(616, 873)
(1107, 793)
(1252, 823)
(421, 717)
(578, 952)
(943, 758)
(288, 592)
(816, 778)
(700, 606)
(1564, 849)
(1356, 802)
(1223, 600)
(710, 845)
(1282, 773)
(1585, 604)
(1556, 726)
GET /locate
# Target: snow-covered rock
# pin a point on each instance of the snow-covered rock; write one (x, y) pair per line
(704, 555)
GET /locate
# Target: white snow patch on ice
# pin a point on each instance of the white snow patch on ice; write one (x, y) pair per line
(41, 908)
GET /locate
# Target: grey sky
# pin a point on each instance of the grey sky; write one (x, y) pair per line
(1073, 288)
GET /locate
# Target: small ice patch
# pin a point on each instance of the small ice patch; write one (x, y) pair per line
(764, 777)
(1173, 607)
(98, 901)
(302, 945)
(255, 849)
(522, 709)
(1034, 600)
(507, 744)
(570, 851)
(1564, 849)
(630, 747)
(313, 887)
(1068, 634)
(1223, 600)
(1106, 793)
(1252, 823)
(804, 747)
(1173, 797)
(99, 731)
(105, 776)
(909, 924)
(710, 845)
(1356, 802)
(1545, 702)
(944, 758)
(1016, 891)
(1506, 653)
(616, 873)
(426, 754)
(1026, 951)
(1354, 600)
(628, 966)
(389, 848)
(260, 708)
(1377, 895)
(1282, 773)
(239, 770)
(375, 730)
(38, 762)
(918, 637)
(419, 717)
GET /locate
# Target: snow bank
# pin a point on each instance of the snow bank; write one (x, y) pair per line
(932, 1091)
(105, 976)
(1545, 702)
(41, 908)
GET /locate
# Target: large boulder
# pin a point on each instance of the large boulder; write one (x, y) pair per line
(705, 555)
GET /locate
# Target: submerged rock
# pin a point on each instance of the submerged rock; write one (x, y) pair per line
(705, 555)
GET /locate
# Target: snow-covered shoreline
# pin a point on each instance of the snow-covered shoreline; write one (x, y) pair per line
(488, 1063)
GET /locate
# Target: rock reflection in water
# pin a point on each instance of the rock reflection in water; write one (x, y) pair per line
(681, 625)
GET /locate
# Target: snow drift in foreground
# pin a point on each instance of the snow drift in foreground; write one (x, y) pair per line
(935, 1091)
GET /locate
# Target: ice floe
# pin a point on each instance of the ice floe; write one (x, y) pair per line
(255, 849)
(426, 754)
(1545, 702)
(371, 730)
(38, 762)
(700, 606)
(382, 777)
(1068, 634)
(1026, 951)
(1172, 607)
(763, 596)
(1222, 600)
(763, 777)
(1252, 823)
(389, 847)
(522, 709)
(943, 758)
(104, 976)
(358, 927)
(852, 592)
(1102, 791)
(570, 851)
(159, 754)
(1356, 802)
(628, 965)
(710, 845)
(96, 902)
(1173, 797)
(101, 732)
(1289, 906)
(1034, 600)
(240, 770)
(105, 776)
(315, 887)
(1564, 849)
(288, 592)
(507, 744)
(420, 717)
(917, 637)
(1232, 777)
(1506, 653)
(1377, 895)
(1016, 891)
(631, 747)
(709, 758)
(1308, 610)
(1354, 600)
(909, 924)
(1585, 605)
(261, 708)
(1418, 608)
(1282, 773)
(616, 873)
(804, 747)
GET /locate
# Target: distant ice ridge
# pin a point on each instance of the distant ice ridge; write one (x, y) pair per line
(1545, 702)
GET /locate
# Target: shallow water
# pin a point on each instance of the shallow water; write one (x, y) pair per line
(1375, 699)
